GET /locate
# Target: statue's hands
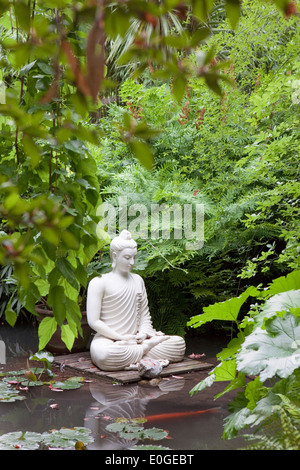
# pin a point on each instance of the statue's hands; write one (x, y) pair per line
(140, 337)
(128, 338)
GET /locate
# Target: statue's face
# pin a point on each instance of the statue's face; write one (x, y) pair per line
(124, 260)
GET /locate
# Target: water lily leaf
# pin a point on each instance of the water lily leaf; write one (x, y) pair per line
(20, 440)
(9, 395)
(14, 372)
(130, 429)
(155, 434)
(32, 383)
(67, 438)
(149, 447)
(70, 384)
(126, 430)
(274, 351)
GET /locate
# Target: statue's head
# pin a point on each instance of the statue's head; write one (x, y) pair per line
(123, 250)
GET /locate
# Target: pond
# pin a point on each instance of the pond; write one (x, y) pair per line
(192, 423)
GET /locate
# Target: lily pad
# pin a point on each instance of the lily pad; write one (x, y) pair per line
(274, 351)
(130, 429)
(67, 438)
(17, 380)
(149, 447)
(70, 384)
(64, 438)
(8, 394)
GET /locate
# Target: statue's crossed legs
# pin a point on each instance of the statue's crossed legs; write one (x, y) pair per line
(112, 355)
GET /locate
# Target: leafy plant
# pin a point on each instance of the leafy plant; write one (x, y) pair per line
(46, 359)
(282, 432)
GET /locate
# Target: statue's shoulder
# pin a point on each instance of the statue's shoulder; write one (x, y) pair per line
(97, 282)
(137, 278)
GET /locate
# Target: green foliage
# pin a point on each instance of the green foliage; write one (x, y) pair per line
(283, 433)
(237, 155)
(55, 74)
(266, 347)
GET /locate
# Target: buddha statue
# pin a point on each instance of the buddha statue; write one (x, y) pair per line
(117, 310)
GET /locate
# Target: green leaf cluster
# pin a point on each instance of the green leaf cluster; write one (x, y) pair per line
(265, 349)
(131, 429)
(64, 438)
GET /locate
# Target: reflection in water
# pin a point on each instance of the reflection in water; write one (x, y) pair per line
(97, 404)
(2, 352)
(121, 402)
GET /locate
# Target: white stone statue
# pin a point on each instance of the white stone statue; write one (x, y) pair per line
(117, 309)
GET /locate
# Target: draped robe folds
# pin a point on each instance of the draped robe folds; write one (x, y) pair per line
(127, 312)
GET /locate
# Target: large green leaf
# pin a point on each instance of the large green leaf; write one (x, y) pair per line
(67, 336)
(46, 329)
(285, 283)
(56, 300)
(63, 438)
(227, 310)
(282, 302)
(67, 271)
(272, 352)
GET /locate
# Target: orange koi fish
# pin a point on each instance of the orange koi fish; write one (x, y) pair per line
(182, 414)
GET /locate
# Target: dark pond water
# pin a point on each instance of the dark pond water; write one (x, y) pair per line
(98, 402)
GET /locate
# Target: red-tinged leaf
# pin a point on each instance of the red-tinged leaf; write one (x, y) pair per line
(76, 69)
(196, 356)
(95, 52)
(291, 9)
(54, 406)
